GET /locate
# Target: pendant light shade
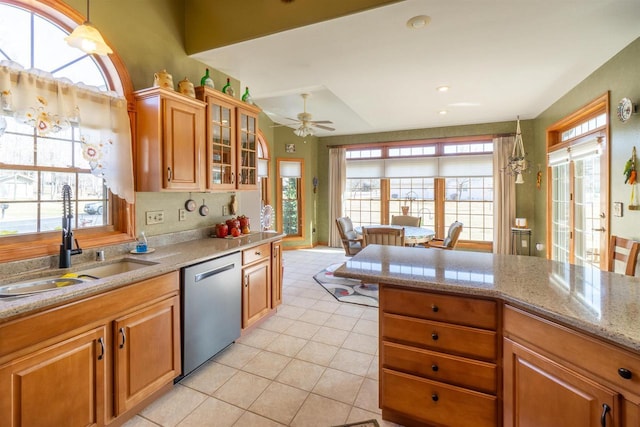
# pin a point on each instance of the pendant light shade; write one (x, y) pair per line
(88, 39)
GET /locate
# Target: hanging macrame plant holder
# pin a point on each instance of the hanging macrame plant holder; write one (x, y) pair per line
(518, 163)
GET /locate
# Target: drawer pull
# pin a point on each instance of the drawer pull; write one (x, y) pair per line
(625, 373)
(434, 336)
(435, 397)
(258, 253)
(434, 308)
(603, 417)
(434, 368)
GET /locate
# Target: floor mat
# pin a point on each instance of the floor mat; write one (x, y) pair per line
(347, 290)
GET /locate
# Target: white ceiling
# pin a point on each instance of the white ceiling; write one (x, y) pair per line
(369, 73)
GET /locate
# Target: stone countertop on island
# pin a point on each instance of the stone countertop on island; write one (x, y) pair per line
(603, 304)
(169, 257)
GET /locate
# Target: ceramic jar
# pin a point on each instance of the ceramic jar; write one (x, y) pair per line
(185, 87)
(163, 79)
(222, 230)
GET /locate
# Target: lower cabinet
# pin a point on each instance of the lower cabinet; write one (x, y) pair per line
(256, 284)
(90, 362)
(59, 385)
(146, 350)
(556, 376)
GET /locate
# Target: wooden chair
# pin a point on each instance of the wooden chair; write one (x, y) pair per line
(350, 240)
(624, 250)
(409, 221)
(382, 236)
(450, 241)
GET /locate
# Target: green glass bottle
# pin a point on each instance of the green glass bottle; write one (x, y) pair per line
(227, 88)
(206, 80)
(247, 96)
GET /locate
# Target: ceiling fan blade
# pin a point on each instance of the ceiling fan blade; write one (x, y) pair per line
(322, 127)
(326, 122)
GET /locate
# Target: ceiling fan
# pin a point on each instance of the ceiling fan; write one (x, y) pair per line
(306, 125)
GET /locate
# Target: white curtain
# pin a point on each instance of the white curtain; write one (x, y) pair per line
(337, 182)
(36, 98)
(504, 196)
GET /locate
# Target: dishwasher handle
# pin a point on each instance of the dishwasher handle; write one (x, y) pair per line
(204, 275)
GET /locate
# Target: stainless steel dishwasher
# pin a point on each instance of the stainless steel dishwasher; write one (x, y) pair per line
(211, 308)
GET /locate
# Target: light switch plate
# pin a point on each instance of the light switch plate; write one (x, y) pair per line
(154, 217)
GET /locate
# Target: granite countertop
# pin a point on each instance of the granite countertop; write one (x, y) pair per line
(603, 304)
(170, 257)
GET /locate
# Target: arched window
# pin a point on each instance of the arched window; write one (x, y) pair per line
(34, 164)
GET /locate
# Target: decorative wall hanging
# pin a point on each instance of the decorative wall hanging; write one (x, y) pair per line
(631, 178)
(518, 163)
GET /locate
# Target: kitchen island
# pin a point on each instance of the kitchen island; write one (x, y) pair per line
(479, 339)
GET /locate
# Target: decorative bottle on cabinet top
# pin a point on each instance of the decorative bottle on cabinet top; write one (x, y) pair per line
(247, 96)
(206, 80)
(227, 88)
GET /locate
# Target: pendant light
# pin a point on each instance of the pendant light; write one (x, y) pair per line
(88, 39)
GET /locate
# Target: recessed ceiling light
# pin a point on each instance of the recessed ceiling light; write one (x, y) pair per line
(419, 21)
(442, 88)
(442, 112)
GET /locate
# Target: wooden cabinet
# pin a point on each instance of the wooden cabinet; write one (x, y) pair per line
(170, 141)
(438, 359)
(92, 361)
(554, 375)
(62, 384)
(146, 351)
(277, 272)
(231, 141)
(256, 284)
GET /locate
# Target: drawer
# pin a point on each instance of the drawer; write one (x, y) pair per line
(257, 253)
(435, 403)
(467, 311)
(444, 337)
(468, 373)
(586, 354)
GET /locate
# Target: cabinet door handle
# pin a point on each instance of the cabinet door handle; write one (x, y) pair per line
(625, 373)
(101, 355)
(434, 368)
(434, 308)
(603, 417)
(435, 397)
(246, 281)
(435, 336)
(124, 337)
(169, 174)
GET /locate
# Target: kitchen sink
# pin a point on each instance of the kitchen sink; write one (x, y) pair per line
(121, 266)
(36, 286)
(48, 284)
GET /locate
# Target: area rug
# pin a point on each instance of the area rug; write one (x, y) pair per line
(368, 423)
(347, 290)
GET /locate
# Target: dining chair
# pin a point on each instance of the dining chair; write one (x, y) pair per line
(410, 221)
(391, 236)
(450, 241)
(350, 241)
(624, 250)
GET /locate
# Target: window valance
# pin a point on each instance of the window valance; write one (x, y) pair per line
(422, 167)
(37, 98)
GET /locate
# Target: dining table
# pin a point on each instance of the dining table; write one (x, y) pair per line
(412, 235)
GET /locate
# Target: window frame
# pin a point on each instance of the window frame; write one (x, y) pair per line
(122, 227)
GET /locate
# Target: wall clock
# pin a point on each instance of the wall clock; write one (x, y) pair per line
(625, 108)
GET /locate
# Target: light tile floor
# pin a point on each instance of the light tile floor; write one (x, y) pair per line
(314, 363)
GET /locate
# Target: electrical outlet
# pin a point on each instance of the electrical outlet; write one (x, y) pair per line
(182, 214)
(225, 210)
(155, 217)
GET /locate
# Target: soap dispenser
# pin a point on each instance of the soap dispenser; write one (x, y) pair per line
(141, 246)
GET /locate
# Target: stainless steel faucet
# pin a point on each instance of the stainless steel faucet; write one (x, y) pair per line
(66, 248)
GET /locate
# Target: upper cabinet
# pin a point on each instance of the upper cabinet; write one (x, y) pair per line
(170, 141)
(231, 141)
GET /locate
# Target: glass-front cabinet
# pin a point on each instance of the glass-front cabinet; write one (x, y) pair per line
(231, 149)
(247, 149)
